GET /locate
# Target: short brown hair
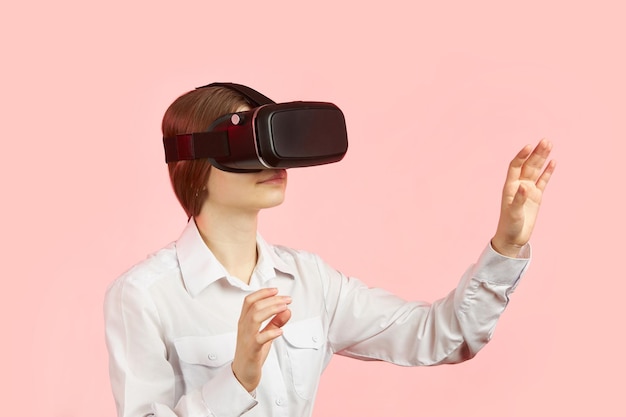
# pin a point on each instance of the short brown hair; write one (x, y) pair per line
(194, 112)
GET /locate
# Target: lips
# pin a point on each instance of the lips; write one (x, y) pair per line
(279, 175)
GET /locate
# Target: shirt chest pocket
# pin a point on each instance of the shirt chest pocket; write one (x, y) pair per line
(202, 356)
(305, 347)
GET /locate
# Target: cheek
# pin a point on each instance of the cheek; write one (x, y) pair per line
(241, 190)
(225, 189)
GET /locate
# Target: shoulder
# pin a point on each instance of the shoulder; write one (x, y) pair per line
(157, 267)
(291, 254)
(304, 263)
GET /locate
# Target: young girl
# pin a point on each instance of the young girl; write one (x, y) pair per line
(221, 323)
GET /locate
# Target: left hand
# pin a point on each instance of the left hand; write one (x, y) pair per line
(525, 183)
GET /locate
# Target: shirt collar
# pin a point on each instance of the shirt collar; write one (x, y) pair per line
(200, 268)
(269, 262)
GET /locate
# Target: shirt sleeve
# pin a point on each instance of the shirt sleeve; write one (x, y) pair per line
(143, 381)
(372, 324)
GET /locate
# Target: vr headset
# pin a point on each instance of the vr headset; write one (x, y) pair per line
(269, 136)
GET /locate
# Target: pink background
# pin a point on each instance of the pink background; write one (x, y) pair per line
(438, 98)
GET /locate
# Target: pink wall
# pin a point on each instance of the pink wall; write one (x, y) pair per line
(438, 97)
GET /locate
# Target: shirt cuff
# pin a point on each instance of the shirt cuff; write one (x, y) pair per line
(497, 268)
(225, 396)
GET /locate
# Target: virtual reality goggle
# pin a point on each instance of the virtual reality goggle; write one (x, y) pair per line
(269, 136)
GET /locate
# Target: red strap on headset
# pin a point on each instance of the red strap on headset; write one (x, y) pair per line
(202, 145)
(198, 145)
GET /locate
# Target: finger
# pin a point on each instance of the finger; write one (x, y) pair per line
(256, 296)
(268, 335)
(265, 309)
(269, 301)
(273, 329)
(533, 166)
(515, 167)
(543, 180)
(279, 319)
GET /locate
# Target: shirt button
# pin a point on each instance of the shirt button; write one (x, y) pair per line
(280, 401)
(212, 356)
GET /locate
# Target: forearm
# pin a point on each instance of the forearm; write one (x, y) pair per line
(484, 292)
(449, 330)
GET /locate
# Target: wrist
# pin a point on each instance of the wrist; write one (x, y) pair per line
(248, 386)
(505, 249)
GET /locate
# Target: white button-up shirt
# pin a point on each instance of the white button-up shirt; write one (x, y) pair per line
(171, 328)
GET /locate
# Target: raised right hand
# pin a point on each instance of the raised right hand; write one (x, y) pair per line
(253, 343)
(525, 184)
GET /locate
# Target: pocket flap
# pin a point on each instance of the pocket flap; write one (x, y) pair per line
(305, 334)
(211, 351)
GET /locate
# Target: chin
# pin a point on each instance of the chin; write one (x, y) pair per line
(273, 201)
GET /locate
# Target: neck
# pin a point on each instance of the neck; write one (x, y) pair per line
(231, 237)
